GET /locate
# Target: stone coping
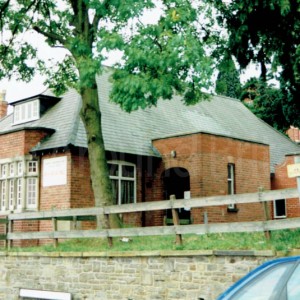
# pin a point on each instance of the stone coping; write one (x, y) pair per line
(164, 253)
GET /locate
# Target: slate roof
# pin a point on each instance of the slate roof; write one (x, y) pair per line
(133, 133)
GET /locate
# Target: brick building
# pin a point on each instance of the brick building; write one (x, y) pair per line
(216, 147)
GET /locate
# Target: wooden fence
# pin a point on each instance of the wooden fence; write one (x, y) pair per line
(80, 214)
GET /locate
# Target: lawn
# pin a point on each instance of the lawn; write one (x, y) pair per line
(282, 240)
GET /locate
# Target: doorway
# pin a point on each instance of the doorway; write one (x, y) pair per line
(177, 181)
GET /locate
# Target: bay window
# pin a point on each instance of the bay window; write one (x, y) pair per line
(19, 180)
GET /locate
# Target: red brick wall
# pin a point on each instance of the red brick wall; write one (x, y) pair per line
(206, 157)
(19, 143)
(281, 181)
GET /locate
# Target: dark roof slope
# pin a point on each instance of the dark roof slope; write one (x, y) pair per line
(133, 133)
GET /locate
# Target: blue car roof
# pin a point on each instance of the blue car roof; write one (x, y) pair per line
(262, 267)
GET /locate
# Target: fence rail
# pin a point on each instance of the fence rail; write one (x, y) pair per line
(78, 214)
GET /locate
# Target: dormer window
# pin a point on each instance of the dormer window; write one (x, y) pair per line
(27, 111)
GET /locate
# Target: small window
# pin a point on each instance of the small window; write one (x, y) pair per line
(280, 208)
(123, 177)
(231, 185)
(32, 167)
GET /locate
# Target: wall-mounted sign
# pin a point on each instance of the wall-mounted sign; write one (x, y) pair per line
(55, 171)
(293, 170)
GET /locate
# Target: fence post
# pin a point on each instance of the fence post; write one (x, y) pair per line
(74, 223)
(6, 232)
(266, 213)
(54, 228)
(176, 220)
(9, 230)
(109, 238)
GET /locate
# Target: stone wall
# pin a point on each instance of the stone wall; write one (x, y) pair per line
(190, 275)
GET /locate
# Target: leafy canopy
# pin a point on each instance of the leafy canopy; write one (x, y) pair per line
(171, 55)
(267, 33)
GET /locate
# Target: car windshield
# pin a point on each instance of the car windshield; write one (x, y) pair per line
(263, 287)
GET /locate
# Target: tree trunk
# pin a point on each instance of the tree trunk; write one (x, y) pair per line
(101, 183)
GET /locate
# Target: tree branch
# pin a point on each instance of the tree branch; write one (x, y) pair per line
(50, 35)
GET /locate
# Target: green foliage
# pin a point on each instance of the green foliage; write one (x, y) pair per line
(165, 58)
(267, 32)
(228, 80)
(269, 103)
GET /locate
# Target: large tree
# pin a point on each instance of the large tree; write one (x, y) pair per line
(159, 59)
(267, 33)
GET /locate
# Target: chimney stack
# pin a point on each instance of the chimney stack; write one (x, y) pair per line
(3, 104)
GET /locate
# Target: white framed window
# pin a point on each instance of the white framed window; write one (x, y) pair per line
(32, 192)
(279, 208)
(19, 184)
(231, 184)
(123, 177)
(25, 112)
(32, 167)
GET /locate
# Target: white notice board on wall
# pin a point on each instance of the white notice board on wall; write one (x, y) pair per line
(55, 171)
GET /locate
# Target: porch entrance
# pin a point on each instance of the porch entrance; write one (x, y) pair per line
(176, 182)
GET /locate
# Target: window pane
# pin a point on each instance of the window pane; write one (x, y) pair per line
(11, 193)
(20, 168)
(31, 191)
(3, 171)
(115, 188)
(229, 171)
(19, 192)
(113, 170)
(11, 169)
(23, 111)
(127, 192)
(3, 195)
(35, 112)
(293, 286)
(264, 286)
(230, 189)
(32, 166)
(128, 171)
(29, 110)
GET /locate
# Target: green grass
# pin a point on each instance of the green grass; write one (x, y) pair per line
(282, 240)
